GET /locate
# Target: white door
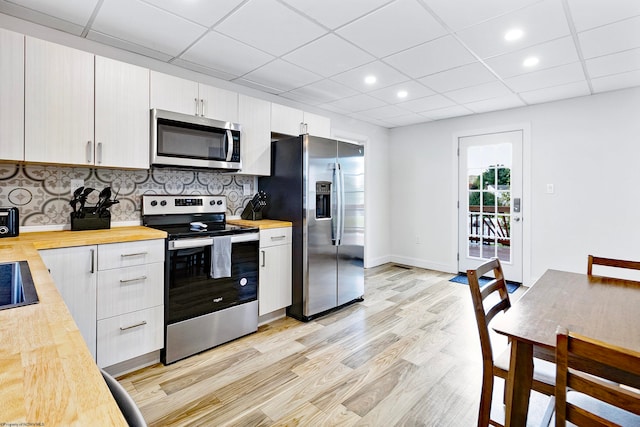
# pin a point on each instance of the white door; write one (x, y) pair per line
(490, 201)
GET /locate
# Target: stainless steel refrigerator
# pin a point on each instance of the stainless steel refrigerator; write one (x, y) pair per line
(318, 185)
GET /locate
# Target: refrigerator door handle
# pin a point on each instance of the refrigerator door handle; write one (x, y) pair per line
(339, 202)
(335, 205)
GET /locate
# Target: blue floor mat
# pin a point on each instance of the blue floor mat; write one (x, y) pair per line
(462, 278)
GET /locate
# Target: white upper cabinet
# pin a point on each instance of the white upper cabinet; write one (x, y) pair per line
(122, 114)
(255, 119)
(188, 97)
(286, 120)
(219, 104)
(291, 121)
(59, 97)
(12, 99)
(174, 94)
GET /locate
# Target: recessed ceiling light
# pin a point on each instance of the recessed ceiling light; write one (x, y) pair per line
(531, 61)
(370, 80)
(402, 94)
(513, 34)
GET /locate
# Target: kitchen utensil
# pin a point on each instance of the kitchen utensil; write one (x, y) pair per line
(83, 199)
(105, 195)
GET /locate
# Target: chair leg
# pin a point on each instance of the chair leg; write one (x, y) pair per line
(484, 412)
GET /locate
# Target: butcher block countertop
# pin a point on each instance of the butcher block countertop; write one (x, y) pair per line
(262, 223)
(47, 374)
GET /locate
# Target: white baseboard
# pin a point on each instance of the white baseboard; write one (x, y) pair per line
(421, 263)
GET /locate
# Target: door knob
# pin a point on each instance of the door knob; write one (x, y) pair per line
(516, 218)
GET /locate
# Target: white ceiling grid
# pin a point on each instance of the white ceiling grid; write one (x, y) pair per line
(450, 57)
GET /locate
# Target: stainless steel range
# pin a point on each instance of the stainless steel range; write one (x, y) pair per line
(211, 273)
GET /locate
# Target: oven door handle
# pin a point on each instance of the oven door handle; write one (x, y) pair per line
(202, 242)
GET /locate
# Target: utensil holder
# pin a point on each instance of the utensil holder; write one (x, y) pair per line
(91, 221)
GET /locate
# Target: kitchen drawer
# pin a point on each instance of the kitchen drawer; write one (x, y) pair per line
(275, 236)
(129, 335)
(118, 255)
(130, 289)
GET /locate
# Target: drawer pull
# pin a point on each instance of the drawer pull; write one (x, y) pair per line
(277, 237)
(134, 279)
(136, 254)
(144, 322)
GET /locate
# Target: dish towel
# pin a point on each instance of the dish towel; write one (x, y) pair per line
(221, 257)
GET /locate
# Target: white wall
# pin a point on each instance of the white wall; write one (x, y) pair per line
(587, 147)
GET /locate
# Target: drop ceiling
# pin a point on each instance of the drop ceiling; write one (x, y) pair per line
(447, 57)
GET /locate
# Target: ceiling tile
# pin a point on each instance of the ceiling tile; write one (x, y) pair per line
(594, 13)
(540, 22)
(320, 92)
(204, 70)
(270, 26)
(390, 94)
(371, 120)
(125, 45)
(479, 93)
(385, 75)
(427, 103)
(402, 24)
(458, 16)
(219, 52)
(358, 103)
(325, 11)
(431, 57)
(570, 90)
(328, 56)
(551, 54)
(611, 38)
(146, 25)
(204, 13)
(616, 81)
(494, 104)
(563, 74)
(445, 113)
(620, 62)
(457, 78)
(385, 112)
(74, 11)
(408, 119)
(282, 75)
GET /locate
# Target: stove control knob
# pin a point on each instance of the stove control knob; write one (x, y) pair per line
(219, 202)
(163, 203)
(213, 202)
(154, 203)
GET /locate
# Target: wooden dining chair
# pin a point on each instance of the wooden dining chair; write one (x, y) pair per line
(544, 372)
(610, 262)
(595, 382)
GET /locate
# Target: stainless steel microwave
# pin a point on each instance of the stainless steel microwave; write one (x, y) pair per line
(194, 141)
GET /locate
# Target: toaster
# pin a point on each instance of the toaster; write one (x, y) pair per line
(9, 222)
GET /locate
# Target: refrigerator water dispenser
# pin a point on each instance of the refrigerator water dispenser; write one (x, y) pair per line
(323, 200)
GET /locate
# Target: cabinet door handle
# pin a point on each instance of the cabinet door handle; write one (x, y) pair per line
(99, 153)
(264, 258)
(124, 328)
(93, 261)
(197, 106)
(136, 254)
(202, 107)
(136, 279)
(277, 237)
(89, 152)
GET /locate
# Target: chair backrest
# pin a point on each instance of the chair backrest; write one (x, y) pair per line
(496, 287)
(610, 262)
(599, 370)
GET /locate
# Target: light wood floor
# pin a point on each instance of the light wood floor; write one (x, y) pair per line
(408, 355)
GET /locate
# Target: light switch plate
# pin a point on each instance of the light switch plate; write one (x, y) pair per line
(246, 189)
(550, 189)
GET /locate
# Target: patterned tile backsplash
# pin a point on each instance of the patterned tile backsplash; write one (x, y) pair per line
(42, 193)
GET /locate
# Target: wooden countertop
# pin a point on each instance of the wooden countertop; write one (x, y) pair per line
(47, 374)
(262, 223)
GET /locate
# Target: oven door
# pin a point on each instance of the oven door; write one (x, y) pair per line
(192, 292)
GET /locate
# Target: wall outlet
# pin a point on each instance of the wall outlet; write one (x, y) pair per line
(550, 189)
(246, 189)
(417, 239)
(75, 184)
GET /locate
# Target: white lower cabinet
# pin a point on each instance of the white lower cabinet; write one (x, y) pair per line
(115, 293)
(74, 272)
(130, 297)
(274, 291)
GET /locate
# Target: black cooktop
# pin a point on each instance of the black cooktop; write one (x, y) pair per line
(182, 231)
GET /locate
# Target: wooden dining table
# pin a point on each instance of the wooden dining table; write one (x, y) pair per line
(598, 307)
